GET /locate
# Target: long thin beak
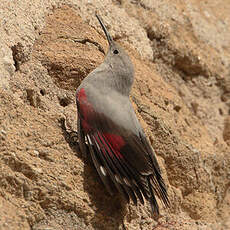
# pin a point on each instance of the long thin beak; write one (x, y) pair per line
(109, 38)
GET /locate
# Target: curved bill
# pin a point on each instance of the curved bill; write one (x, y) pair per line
(105, 30)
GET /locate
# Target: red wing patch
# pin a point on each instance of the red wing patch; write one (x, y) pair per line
(81, 96)
(85, 108)
(112, 143)
(116, 141)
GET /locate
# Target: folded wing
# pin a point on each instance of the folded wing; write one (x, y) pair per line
(120, 156)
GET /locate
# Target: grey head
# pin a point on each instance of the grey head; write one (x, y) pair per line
(118, 65)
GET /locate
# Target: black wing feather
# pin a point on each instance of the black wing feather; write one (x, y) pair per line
(108, 167)
(97, 163)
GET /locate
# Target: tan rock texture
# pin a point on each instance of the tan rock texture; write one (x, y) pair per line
(181, 53)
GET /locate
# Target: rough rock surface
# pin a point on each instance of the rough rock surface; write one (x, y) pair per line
(181, 53)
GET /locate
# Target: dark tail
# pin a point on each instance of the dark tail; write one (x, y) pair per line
(157, 186)
(152, 199)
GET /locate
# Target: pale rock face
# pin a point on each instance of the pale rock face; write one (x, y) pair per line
(7, 67)
(181, 94)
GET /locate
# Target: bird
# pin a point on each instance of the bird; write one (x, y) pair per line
(109, 131)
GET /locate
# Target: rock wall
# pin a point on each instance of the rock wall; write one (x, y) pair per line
(181, 54)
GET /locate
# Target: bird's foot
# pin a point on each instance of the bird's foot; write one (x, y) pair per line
(70, 134)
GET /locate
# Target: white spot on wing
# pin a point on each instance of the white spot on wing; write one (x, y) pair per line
(97, 145)
(103, 170)
(90, 142)
(118, 179)
(126, 181)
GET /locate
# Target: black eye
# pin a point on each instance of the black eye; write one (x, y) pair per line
(115, 52)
